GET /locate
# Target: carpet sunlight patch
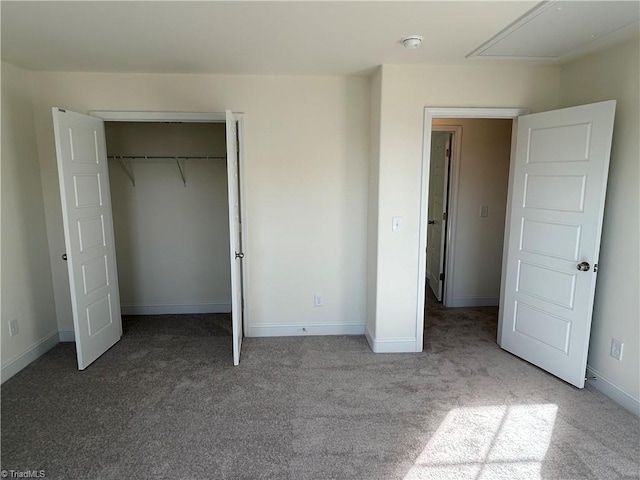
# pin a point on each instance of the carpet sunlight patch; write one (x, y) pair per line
(492, 442)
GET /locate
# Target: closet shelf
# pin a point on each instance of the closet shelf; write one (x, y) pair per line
(124, 159)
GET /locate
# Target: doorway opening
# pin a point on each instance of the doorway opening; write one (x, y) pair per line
(466, 211)
(468, 183)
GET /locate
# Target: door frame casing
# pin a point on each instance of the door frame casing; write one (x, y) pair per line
(454, 112)
(199, 117)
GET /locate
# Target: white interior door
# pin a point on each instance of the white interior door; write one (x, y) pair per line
(235, 233)
(438, 178)
(558, 188)
(88, 232)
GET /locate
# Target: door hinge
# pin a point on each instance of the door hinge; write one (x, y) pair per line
(442, 277)
(595, 267)
(447, 152)
(61, 110)
(444, 216)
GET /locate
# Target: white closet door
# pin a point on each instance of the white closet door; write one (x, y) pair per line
(88, 232)
(235, 239)
(557, 203)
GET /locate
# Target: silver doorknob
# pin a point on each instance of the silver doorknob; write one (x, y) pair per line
(239, 255)
(584, 266)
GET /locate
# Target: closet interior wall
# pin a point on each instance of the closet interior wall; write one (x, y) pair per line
(172, 238)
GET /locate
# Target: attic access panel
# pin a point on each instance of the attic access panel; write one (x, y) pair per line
(554, 30)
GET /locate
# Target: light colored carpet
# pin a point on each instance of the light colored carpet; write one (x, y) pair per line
(166, 402)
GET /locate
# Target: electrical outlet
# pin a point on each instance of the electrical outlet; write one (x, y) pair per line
(318, 301)
(616, 349)
(13, 327)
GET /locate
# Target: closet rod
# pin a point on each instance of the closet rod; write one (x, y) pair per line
(127, 169)
(159, 157)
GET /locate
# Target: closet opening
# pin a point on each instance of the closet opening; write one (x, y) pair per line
(169, 199)
(166, 176)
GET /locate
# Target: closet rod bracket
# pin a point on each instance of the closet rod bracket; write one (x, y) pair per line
(184, 180)
(127, 169)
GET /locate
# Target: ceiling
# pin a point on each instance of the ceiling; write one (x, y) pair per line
(269, 37)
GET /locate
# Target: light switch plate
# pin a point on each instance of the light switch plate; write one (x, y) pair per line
(616, 348)
(13, 327)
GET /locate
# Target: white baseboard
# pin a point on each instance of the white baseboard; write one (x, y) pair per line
(67, 336)
(368, 335)
(303, 330)
(473, 302)
(170, 309)
(614, 392)
(32, 353)
(393, 345)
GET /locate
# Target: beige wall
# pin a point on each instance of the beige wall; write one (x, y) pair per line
(172, 241)
(406, 91)
(614, 74)
(483, 180)
(27, 292)
(306, 152)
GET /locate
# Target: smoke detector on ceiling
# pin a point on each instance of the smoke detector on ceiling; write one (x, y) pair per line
(412, 41)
